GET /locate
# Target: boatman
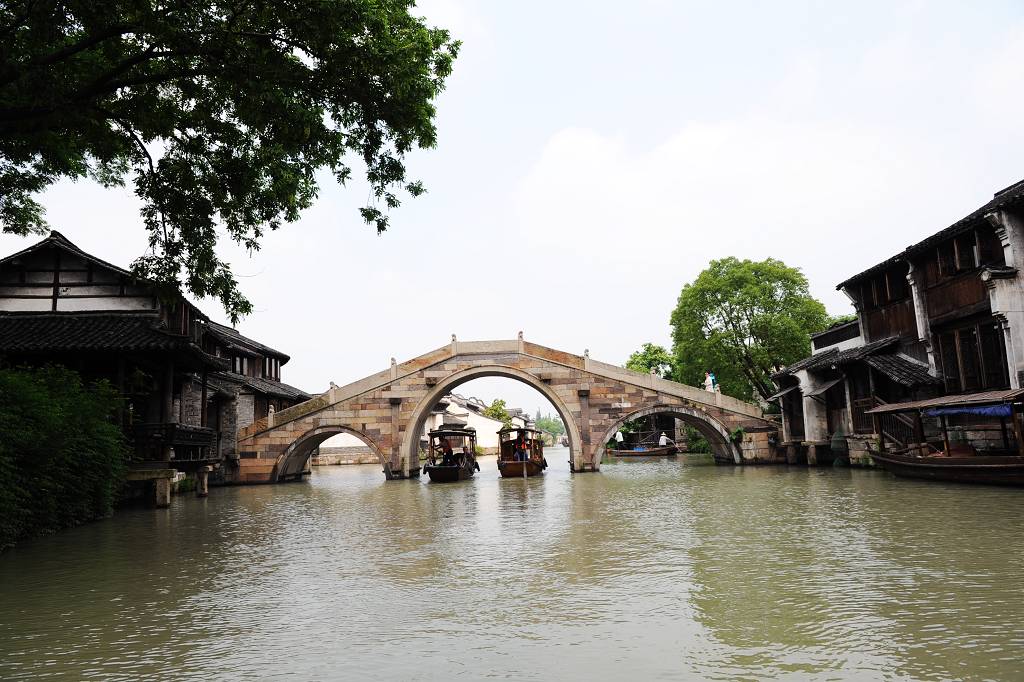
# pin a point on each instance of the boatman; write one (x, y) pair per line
(664, 440)
(618, 440)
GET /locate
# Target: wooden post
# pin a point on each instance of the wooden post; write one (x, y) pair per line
(877, 423)
(945, 433)
(918, 427)
(1017, 432)
(1002, 429)
(168, 415)
(202, 410)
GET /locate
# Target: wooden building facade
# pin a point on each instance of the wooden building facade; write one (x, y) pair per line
(183, 403)
(943, 316)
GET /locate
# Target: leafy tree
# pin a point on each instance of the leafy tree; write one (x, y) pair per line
(744, 320)
(62, 457)
(221, 112)
(651, 356)
(497, 411)
(550, 423)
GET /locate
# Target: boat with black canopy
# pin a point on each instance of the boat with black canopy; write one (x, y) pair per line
(947, 460)
(451, 454)
(521, 452)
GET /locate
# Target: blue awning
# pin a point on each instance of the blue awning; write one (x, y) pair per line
(1002, 410)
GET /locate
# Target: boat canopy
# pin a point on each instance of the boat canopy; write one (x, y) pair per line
(1001, 410)
(968, 403)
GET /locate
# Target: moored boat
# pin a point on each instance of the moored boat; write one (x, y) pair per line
(642, 451)
(451, 455)
(989, 469)
(521, 452)
(947, 460)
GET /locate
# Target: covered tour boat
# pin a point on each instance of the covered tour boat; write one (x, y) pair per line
(451, 454)
(521, 452)
(953, 461)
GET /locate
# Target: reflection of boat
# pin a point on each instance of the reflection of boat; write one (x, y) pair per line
(450, 455)
(994, 469)
(642, 451)
(952, 461)
(521, 452)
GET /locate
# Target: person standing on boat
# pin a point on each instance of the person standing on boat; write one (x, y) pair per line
(618, 440)
(447, 456)
(664, 441)
(521, 454)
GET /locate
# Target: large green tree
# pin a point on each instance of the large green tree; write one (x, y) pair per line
(652, 356)
(221, 112)
(744, 320)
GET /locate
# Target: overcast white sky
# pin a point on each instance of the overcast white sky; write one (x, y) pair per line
(618, 147)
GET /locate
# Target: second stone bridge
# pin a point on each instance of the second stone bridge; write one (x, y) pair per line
(388, 410)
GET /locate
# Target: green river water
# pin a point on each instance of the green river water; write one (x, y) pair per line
(657, 570)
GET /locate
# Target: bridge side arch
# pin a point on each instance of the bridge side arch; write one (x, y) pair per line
(709, 427)
(293, 460)
(410, 443)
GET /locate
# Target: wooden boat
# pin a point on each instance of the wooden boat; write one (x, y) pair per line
(451, 455)
(952, 461)
(521, 452)
(988, 469)
(644, 451)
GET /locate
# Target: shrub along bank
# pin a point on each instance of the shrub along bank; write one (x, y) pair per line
(63, 457)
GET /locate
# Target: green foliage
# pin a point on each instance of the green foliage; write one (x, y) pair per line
(743, 320)
(736, 435)
(552, 424)
(837, 320)
(497, 410)
(221, 112)
(651, 356)
(696, 442)
(62, 457)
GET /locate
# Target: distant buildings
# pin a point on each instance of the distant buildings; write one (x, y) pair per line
(188, 383)
(943, 316)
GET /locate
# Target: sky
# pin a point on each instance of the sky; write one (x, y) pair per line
(592, 158)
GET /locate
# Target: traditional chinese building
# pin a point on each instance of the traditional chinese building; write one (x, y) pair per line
(188, 383)
(943, 316)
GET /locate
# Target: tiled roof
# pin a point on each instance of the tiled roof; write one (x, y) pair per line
(1014, 194)
(62, 332)
(232, 337)
(902, 369)
(265, 386)
(897, 366)
(837, 357)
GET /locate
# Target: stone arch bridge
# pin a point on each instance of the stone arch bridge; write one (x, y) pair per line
(388, 410)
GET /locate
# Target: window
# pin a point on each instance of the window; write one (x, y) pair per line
(966, 247)
(899, 289)
(973, 358)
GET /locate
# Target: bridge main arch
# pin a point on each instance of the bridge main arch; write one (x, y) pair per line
(418, 418)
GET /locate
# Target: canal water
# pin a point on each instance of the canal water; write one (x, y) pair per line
(649, 570)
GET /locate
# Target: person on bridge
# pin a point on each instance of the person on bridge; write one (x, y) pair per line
(709, 382)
